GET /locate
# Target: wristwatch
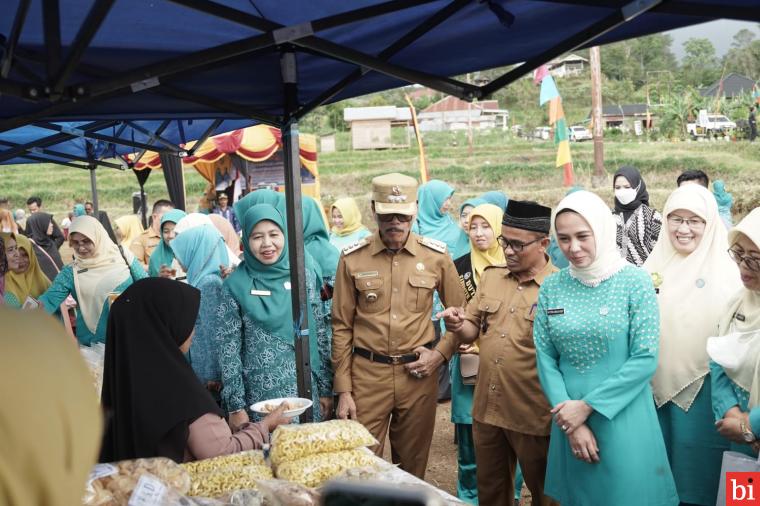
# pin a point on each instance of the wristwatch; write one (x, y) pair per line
(747, 434)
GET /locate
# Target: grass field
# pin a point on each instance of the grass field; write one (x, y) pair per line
(523, 169)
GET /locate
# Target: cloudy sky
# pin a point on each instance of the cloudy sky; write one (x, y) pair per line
(721, 33)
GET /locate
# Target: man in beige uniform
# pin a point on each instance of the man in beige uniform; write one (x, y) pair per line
(144, 244)
(384, 363)
(511, 419)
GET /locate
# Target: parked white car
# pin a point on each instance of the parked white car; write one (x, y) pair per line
(710, 124)
(579, 133)
(542, 133)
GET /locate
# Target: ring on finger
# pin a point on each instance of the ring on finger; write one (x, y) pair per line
(564, 427)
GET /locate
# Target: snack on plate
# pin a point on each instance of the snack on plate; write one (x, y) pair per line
(289, 406)
(292, 442)
(316, 469)
(112, 484)
(235, 460)
(219, 482)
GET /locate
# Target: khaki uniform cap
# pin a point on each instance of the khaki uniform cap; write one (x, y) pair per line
(394, 194)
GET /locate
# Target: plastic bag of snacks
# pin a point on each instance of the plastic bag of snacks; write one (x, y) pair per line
(293, 442)
(114, 484)
(314, 470)
(285, 493)
(235, 460)
(94, 357)
(223, 481)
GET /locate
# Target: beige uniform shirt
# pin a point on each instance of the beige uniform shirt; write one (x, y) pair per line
(508, 393)
(142, 247)
(383, 301)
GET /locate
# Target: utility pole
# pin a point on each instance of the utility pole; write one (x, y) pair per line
(600, 176)
(469, 123)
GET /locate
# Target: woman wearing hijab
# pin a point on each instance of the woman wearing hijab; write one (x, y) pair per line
(79, 210)
(231, 238)
(483, 229)
(465, 209)
(130, 227)
(695, 277)
(24, 277)
(162, 262)
(347, 223)
(99, 269)
(638, 225)
(433, 219)
(255, 323)
(47, 453)
(735, 354)
(725, 201)
(43, 231)
(194, 220)
(316, 240)
(596, 331)
(201, 251)
(7, 223)
(496, 198)
(155, 404)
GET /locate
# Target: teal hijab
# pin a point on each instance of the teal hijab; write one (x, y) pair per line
(163, 254)
(316, 238)
(271, 197)
(473, 202)
(496, 198)
(200, 250)
(273, 312)
(79, 210)
(433, 223)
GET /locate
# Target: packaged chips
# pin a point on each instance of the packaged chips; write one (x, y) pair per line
(293, 442)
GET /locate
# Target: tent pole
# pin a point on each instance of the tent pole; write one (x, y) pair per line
(301, 307)
(94, 186)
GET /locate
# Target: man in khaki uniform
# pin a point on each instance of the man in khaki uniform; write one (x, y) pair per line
(142, 247)
(511, 418)
(384, 363)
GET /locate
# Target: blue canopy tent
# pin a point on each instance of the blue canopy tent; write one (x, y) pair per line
(273, 61)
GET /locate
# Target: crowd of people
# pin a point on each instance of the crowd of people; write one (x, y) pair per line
(589, 350)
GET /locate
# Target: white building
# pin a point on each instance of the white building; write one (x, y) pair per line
(451, 113)
(371, 126)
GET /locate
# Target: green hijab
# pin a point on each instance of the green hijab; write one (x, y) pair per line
(432, 222)
(272, 312)
(271, 197)
(163, 254)
(316, 238)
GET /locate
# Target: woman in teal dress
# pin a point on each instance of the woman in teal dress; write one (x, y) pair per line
(596, 330)
(735, 353)
(484, 226)
(434, 221)
(695, 277)
(254, 323)
(347, 223)
(201, 252)
(161, 261)
(100, 268)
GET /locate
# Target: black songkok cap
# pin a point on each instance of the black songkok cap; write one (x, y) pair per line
(527, 216)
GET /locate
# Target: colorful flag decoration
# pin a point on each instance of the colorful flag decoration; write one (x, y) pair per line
(424, 174)
(550, 93)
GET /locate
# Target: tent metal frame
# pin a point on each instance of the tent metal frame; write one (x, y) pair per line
(57, 95)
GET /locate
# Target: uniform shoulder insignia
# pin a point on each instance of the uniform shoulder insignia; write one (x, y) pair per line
(354, 246)
(433, 244)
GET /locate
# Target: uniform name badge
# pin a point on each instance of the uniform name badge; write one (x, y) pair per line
(555, 311)
(261, 293)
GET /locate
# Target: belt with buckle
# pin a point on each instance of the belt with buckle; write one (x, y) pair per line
(388, 359)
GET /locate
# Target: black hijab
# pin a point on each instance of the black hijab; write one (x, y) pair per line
(36, 229)
(150, 393)
(642, 196)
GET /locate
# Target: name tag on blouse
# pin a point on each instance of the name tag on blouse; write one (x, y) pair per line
(261, 293)
(82, 271)
(739, 317)
(555, 311)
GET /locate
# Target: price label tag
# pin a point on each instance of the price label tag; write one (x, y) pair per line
(149, 491)
(101, 471)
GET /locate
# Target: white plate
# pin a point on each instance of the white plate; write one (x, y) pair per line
(303, 405)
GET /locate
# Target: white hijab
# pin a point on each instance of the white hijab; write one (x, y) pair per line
(692, 296)
(744, 351)
(194, 220)
(608, 261)
(97, 276)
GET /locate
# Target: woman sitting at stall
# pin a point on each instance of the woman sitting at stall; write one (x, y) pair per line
(255, 323)
(162, 262)
(733, 369)
(24, 278)
(99, 269)
(347, 223)
(155, 404)
(201, 252)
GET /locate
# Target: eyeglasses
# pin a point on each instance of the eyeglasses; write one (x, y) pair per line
(752, 263)
(692, 223)
(517, 247)
(387, 218)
